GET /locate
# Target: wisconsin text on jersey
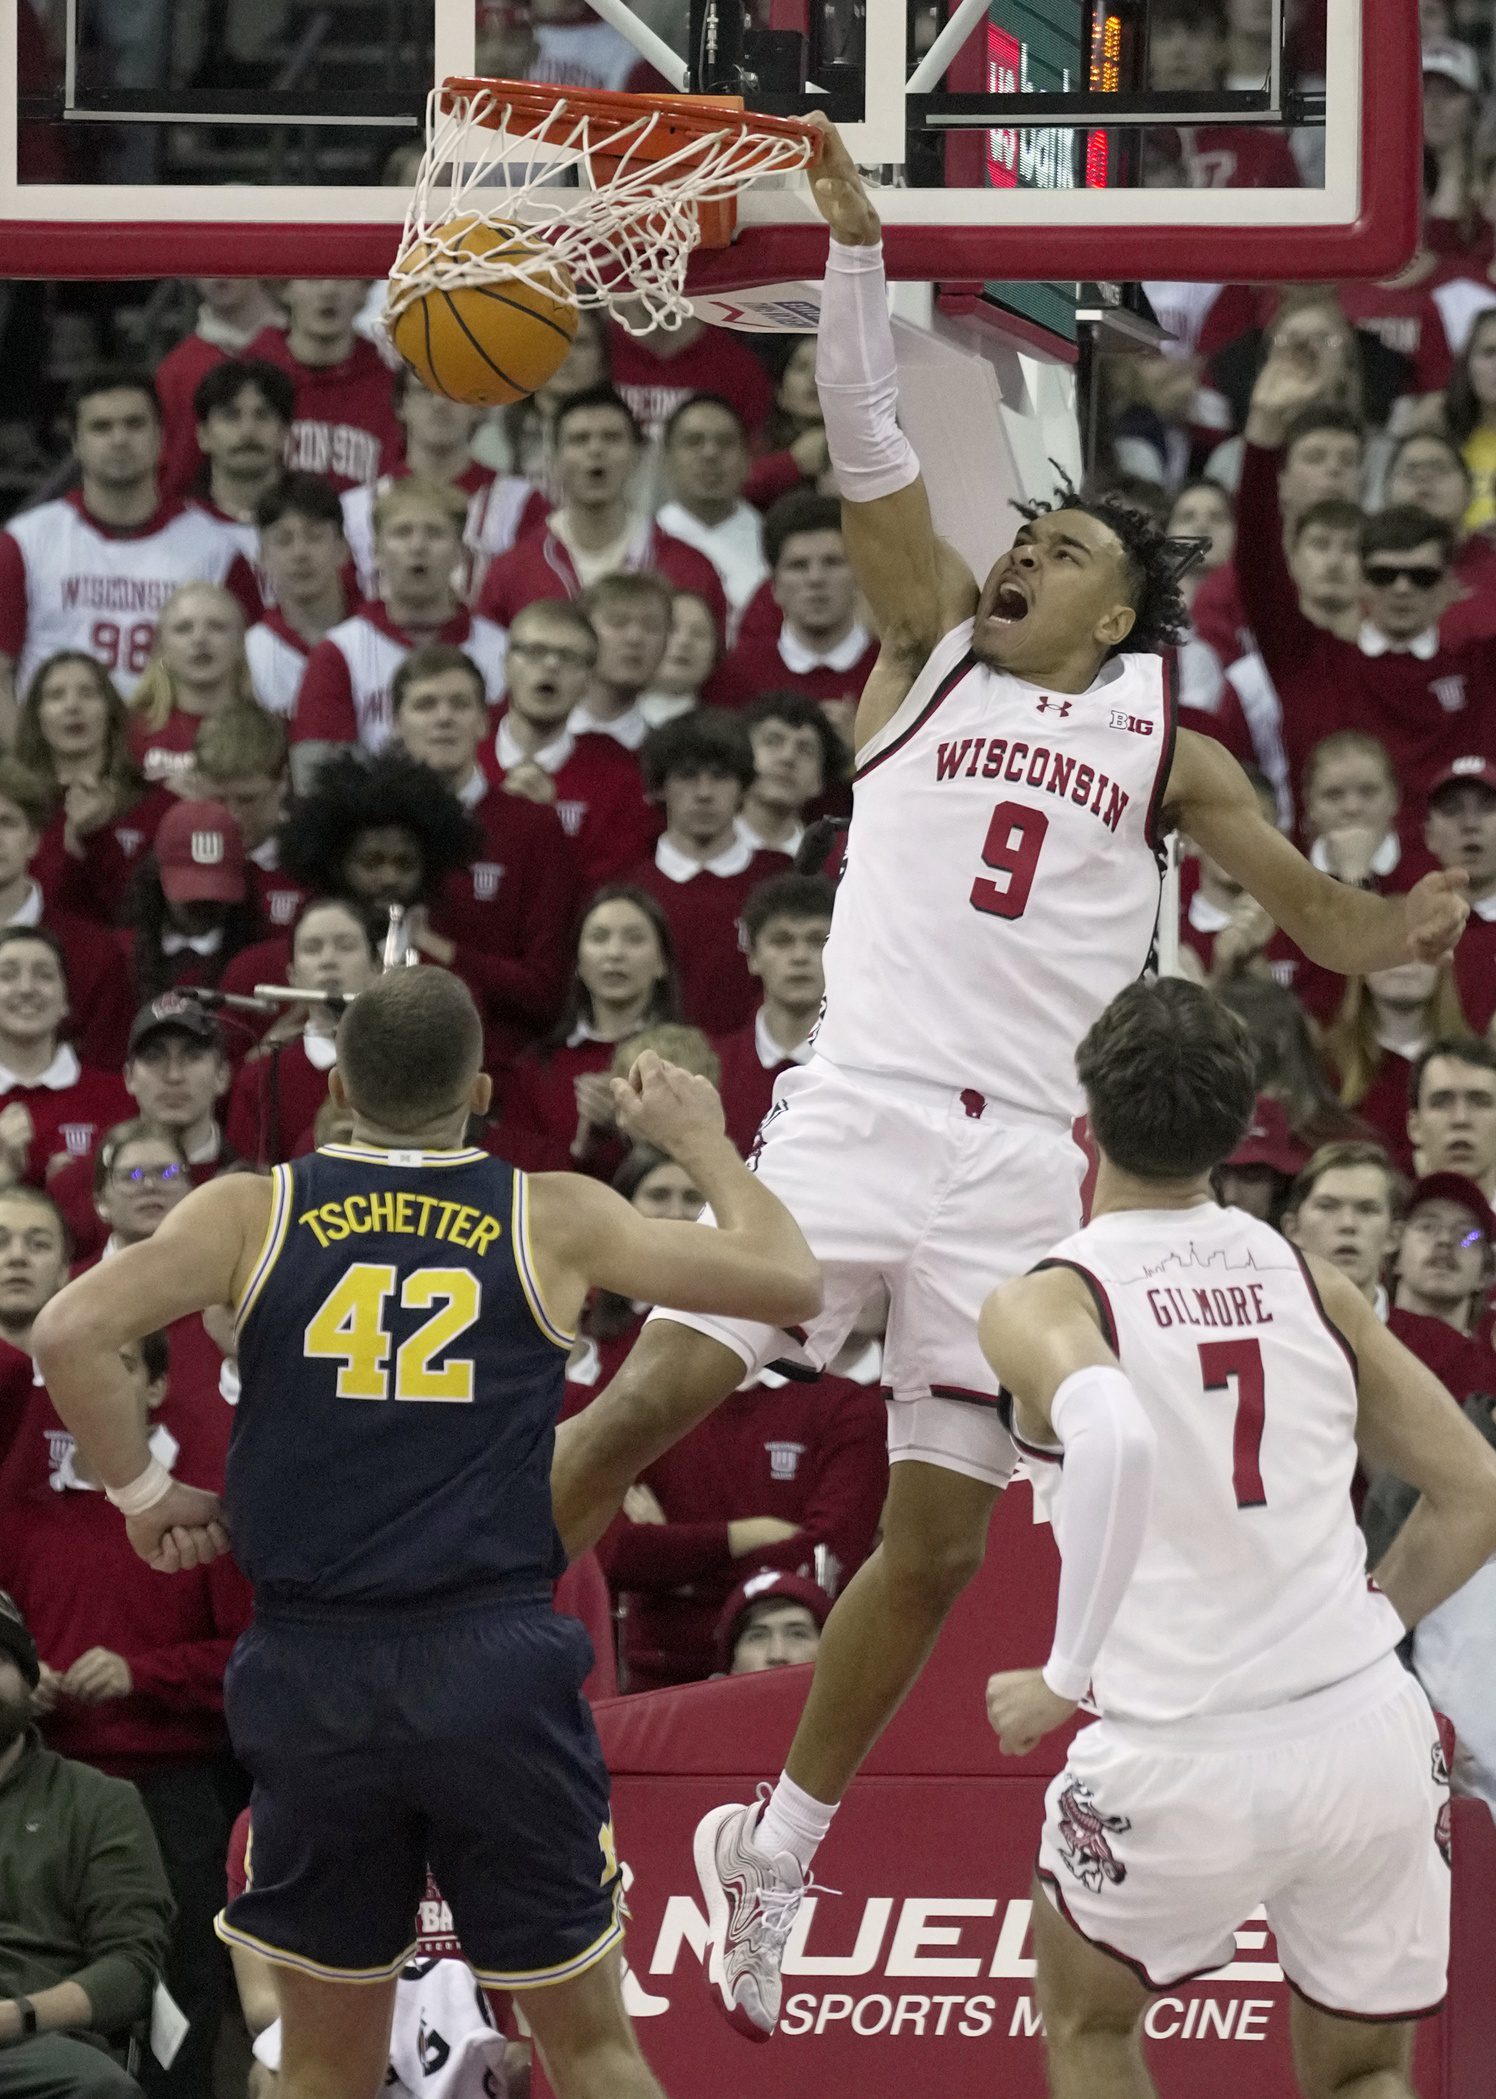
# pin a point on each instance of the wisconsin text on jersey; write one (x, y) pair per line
(423, 1216)
(1033, 766)
(119, 593)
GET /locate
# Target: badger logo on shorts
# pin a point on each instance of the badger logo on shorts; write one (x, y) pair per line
(1084, 1831)
(1443, 1821)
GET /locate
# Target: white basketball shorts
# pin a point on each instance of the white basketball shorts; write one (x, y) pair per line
(938, 1195)
(1333, 1812)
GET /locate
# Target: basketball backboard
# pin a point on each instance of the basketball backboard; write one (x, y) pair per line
(1010, 139)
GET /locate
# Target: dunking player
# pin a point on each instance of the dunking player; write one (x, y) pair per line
(1016, 760)
(407, 1693)
(1205, 1388)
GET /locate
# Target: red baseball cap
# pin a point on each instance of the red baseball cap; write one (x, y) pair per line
(200, 853)
(1464, 772)
(1268, 1141)
(1455, 1188)
(768, 1585)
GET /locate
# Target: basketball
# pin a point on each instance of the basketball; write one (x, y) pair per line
(492, 343)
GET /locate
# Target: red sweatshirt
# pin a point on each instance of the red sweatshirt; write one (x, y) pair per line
(1427, 711)
(758, 665)
(1459, 1362)
(273, 1102)
(717, 362)
(747, 1083)
(100, 998)
(510, 914)
(345, 427)
(539, 566)
(599, 798)
(95, 886)
(68, 1117)
(717, 994)
(810, 1454)
(539, 1121)
(68, 1562)
(178, 376)
(1475, 966)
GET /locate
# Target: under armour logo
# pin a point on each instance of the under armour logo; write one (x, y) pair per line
(1061, 707)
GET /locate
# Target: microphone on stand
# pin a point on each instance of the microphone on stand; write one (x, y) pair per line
(269, 996)
(213, 1000)
(398, 952)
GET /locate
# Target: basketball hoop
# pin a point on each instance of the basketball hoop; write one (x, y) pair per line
(619, 188)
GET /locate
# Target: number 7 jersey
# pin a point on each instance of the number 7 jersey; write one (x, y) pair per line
(400, 1381)
(1251, 1589)
(1002, 877)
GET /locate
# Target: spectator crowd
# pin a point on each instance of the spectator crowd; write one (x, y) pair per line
(303, 670)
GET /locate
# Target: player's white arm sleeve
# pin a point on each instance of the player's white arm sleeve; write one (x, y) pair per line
(1101, 1515)
(857, 378)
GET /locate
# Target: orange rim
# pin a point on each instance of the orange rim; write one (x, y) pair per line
(682, 120)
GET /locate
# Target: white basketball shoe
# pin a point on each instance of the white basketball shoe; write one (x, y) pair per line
(752, 1901)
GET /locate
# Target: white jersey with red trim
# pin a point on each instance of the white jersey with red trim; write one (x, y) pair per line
(1001, 881)
(277, 662)
(100, 589)
(1252, 1587)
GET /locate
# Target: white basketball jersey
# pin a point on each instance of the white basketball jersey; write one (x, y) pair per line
(1001, 882)
(277, 662)
(374, 650)
(1252, 1587)
(101, 591)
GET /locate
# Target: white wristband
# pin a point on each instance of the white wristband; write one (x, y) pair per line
(143, 1492)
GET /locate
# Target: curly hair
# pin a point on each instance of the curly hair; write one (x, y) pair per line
(1155, 564)
(351, 795)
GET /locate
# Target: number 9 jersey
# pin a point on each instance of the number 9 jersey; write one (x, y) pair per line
(1002, 878)
(400, 1382)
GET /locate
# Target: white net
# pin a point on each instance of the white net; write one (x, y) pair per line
(624, 230)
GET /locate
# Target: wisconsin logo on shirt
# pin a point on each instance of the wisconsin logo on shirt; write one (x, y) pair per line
(283, 904)
(784, 1459)
(487, 875)
(78, 1137)
(1450, 693)
(572, 815)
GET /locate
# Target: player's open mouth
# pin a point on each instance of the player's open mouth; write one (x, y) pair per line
(1010, 605)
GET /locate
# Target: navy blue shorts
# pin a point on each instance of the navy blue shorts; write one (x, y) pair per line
(457, 1737)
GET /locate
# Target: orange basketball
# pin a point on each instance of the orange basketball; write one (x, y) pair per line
(492, 343)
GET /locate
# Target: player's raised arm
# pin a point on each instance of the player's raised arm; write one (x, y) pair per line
(200, 1255)
(916, 587)
(1339, 927)
(1042, 1336)
(1410, 1426)
(754, 1264)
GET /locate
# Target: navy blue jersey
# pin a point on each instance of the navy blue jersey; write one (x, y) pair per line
(401, 1380)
